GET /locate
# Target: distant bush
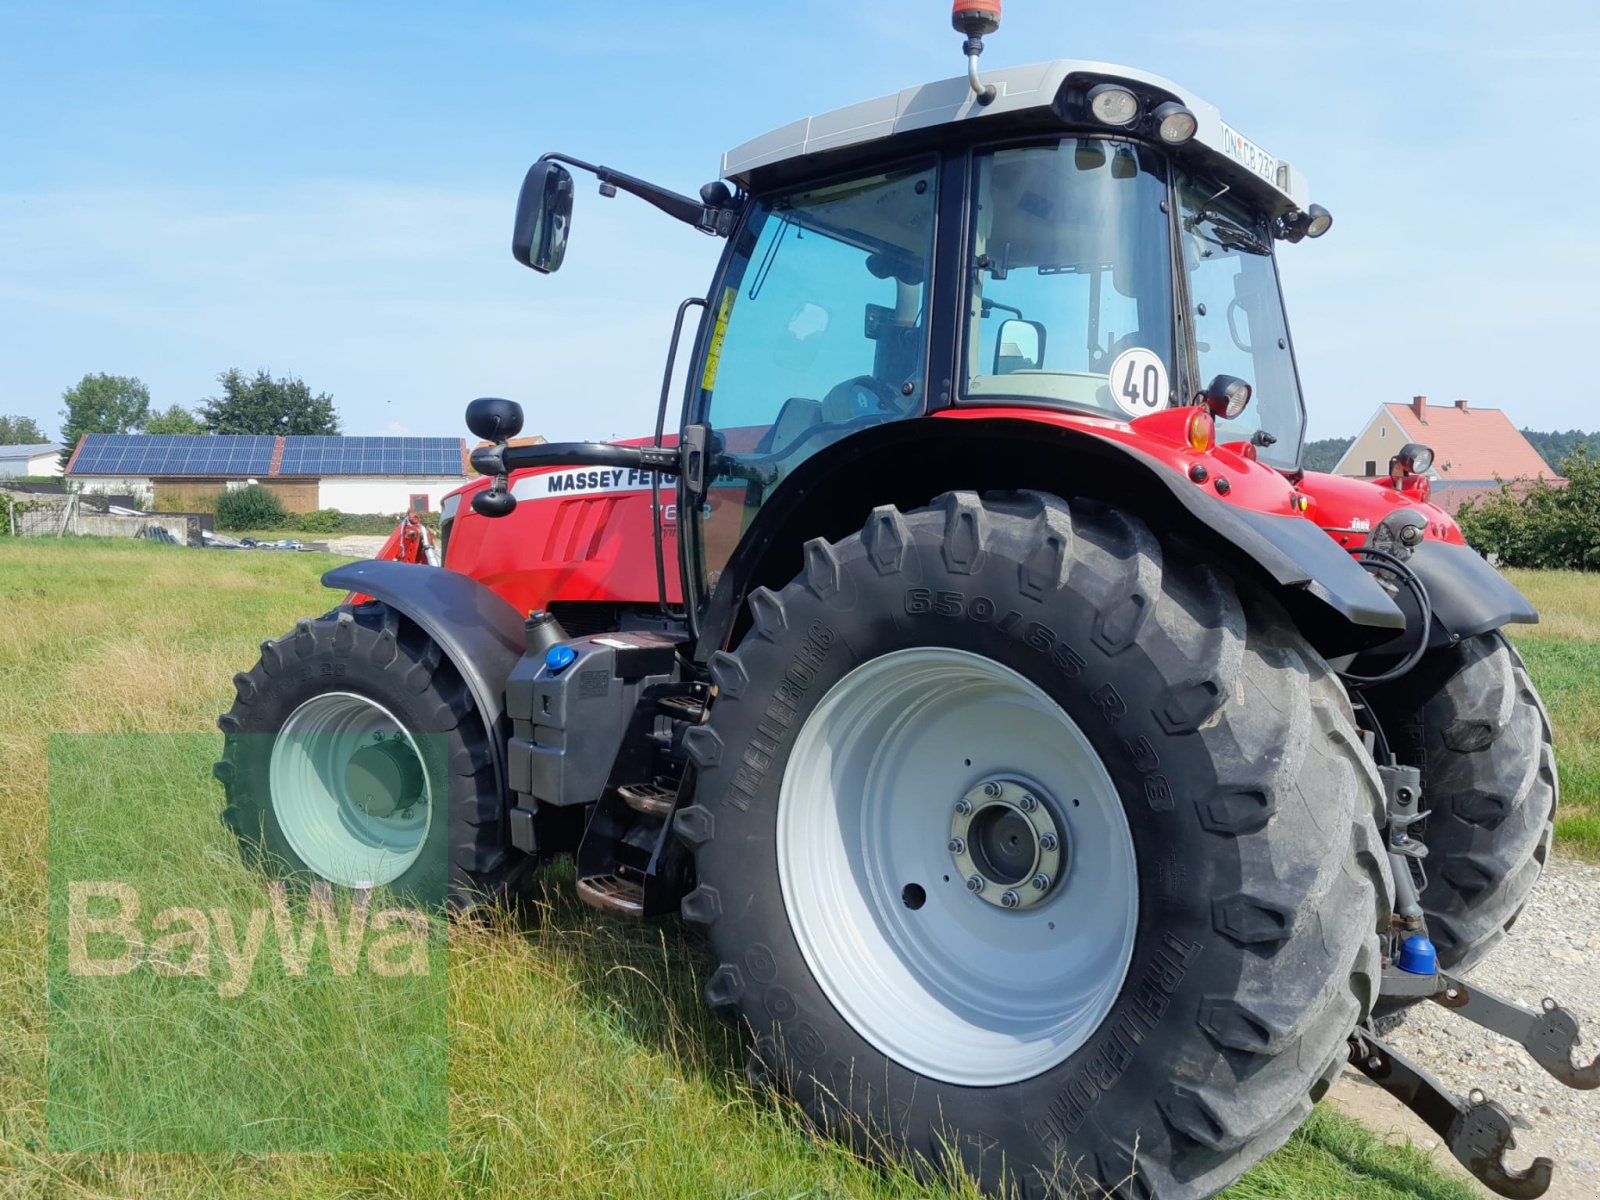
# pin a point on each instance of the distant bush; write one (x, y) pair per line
(331, 520)
(9, 504)
(1537, 524)
(253, 507)
(320, 520)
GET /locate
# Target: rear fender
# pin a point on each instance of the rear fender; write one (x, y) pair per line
(480, 633)
(1334, 601)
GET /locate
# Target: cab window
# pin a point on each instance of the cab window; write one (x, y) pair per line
(820, 331)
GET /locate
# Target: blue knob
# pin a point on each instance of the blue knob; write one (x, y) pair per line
(559, 658)
(1418, 957)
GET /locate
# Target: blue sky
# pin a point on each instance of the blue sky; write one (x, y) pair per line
(326, 188)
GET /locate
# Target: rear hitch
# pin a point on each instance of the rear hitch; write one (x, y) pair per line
(1477, 1130)
(1550, 1036)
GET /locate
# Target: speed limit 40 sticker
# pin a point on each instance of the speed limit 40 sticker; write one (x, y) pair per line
(1138, 381)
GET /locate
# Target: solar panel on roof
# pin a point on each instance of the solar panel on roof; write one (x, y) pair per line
(370, 456)
(245, 455)
(174, 454)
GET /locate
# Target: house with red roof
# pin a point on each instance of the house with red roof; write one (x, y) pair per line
(1472, 448)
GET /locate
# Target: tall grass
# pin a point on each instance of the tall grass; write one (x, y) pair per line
(581, 1060)
(1563, 655)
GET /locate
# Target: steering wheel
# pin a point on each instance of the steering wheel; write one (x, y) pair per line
(861, 396)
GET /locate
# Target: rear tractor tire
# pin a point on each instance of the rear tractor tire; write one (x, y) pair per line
(354, 754)
(1029, 848)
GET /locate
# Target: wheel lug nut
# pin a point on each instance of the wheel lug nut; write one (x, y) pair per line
(1027, 803)
(963, 806)
(991, 789)
(956, 846)
(1047, 841)
(1041, 882)
(1010, 900)
(975, 884)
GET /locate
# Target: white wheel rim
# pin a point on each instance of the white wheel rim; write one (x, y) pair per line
(337, 835)
(958, 989)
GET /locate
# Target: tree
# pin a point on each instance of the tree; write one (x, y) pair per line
(1555, 446)
(176, 419)
(1538, 524)
(1324, 453)
(264, 405)
(20, 431)
(102, 403)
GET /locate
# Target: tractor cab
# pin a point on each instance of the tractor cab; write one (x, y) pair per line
(1070, 237)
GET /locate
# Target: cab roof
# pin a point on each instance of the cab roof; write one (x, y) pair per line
(1022, 94)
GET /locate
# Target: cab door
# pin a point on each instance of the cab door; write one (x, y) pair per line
(818, 330)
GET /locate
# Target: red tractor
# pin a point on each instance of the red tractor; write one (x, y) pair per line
(1066, 780)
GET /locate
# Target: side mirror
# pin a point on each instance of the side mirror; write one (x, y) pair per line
(544, 215)
(494, 419)
(494, 501)
(1019, 347)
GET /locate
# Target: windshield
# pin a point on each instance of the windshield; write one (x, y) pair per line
(1071, 269)
(1239, 325)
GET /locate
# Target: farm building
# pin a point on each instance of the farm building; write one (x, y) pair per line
(43, 458)
(185, 473)
(1472, 448)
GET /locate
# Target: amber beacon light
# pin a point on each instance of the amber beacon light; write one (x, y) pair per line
(975, 18)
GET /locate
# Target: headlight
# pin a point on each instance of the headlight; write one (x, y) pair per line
(1415, 458)
(1226, 396)
(1113, 104)
(1319, 221)
(1175, 123)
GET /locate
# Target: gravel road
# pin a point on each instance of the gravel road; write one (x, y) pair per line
(1554, 951)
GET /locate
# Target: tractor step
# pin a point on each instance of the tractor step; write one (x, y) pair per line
(685, 708)
(1477, 1130)
(648, 799)
(612, 893)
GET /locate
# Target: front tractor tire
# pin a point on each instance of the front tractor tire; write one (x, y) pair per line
(1030, 846)
(354, 754)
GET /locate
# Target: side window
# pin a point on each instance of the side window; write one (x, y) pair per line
(1239, 325)
(1070, 272)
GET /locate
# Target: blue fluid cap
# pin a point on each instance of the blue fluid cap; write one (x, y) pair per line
(1418, 957)
(559, 658)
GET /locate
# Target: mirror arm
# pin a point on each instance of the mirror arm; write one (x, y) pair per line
(717, 221)
(501, 459)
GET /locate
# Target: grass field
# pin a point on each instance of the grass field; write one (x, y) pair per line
(1563, 653)
(581, 1061)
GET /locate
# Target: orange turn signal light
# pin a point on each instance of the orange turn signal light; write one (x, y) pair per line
(1201, 432)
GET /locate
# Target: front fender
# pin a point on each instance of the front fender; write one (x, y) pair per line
(480, 633)
(1467, 595)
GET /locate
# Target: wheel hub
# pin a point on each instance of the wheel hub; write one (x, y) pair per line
(1006, 844)
(349, 790)
(949, 980)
